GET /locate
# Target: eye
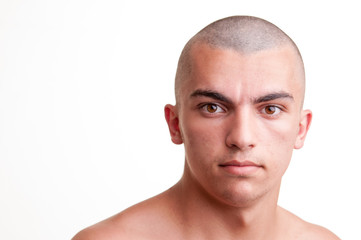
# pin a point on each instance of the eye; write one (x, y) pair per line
(212, 108)
(271, 110)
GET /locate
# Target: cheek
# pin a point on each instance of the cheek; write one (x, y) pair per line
(285, 136)
(203, 141)
(201, 137)
(280, 141)
(283, 131)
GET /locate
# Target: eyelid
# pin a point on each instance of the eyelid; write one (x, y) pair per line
(280, 106)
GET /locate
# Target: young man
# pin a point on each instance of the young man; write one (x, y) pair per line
(239, 112)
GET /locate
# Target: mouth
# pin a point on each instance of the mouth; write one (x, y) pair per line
(240, 168)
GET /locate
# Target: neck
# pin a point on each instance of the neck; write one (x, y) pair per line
(204, 215)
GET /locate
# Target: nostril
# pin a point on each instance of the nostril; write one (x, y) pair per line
(250, 146)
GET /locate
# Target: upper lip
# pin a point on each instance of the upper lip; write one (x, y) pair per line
(239, 163)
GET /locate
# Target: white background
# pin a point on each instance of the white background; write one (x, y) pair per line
(82, 89)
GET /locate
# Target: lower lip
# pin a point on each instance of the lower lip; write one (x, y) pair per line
(241, 170)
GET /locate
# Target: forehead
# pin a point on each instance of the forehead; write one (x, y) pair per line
(240, 75)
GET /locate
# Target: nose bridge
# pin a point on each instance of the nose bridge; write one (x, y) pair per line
(242, 130)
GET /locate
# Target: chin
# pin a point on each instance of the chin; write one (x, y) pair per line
(242, 196)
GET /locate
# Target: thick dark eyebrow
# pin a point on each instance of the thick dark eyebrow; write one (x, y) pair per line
(211, 94)
(273, 96)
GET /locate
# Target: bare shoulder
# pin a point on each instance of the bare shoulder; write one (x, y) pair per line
(102, 230)
(150, 219)
(321, 233)
(111, 228)
(302, 230)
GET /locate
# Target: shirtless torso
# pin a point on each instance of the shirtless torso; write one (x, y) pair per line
(162, 217)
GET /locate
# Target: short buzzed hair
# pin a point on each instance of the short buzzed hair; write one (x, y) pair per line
(244, 34)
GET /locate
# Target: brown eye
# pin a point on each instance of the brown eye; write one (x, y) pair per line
(272, 110)
(212, 108)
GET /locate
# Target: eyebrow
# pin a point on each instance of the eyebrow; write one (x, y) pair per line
(211, 94)
(273, 96)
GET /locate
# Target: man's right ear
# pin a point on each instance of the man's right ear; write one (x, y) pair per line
(171, 115)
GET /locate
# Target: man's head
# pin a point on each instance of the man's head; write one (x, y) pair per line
(239, 92)
(243, 34)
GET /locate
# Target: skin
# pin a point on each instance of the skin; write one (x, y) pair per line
(233, 108)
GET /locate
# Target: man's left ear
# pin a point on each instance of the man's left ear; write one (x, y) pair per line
(304, 125)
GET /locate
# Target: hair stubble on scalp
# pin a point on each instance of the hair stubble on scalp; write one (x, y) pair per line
(243, 34)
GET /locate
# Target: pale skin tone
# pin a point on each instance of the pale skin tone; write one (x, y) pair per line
(239, 118)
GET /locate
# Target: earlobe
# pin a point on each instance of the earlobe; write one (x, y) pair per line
(304, 125)
(171, 116)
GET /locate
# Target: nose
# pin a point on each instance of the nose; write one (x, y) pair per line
(241, 132)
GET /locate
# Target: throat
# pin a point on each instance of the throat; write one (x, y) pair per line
(204, 215)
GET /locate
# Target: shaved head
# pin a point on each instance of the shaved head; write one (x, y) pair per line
(243, 34)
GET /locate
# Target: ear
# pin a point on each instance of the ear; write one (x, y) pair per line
(304, 125)
(171, 116)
